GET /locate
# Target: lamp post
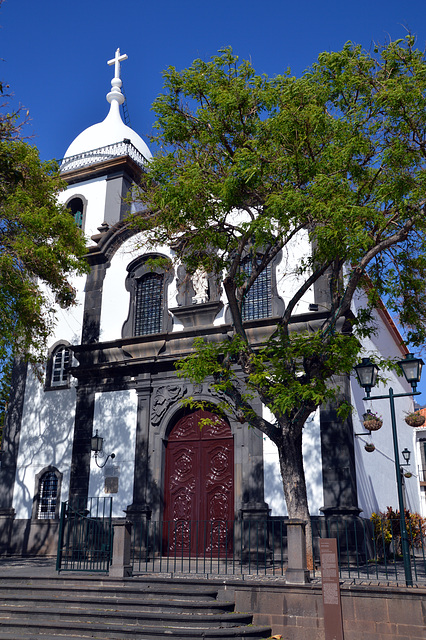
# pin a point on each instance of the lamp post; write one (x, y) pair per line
(366, 373)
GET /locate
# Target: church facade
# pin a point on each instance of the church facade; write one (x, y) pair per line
(110, 371)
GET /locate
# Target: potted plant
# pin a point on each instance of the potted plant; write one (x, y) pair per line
(415, 419)
(369, 447)
(372, 421)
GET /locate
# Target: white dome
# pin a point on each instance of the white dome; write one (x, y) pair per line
(109, 138)
(108, 132)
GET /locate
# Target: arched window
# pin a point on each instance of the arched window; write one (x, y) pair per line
(147, 285)
(61, 360)
(76, 207)
(149, 304)
(47, 494)
(258, 302)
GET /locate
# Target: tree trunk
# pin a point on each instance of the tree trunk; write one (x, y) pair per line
(293, 477)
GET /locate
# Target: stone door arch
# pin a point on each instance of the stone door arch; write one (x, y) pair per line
(199, 486)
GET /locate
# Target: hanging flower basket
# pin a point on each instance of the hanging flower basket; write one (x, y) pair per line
(369, 447)
(415, 419)
(372, 421)
(407, 474)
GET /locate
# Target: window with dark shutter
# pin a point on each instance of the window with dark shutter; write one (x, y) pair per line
(149, 304)
(258, 302)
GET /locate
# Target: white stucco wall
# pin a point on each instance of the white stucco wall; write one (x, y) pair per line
(46, 439)
(274, 494)
(376, 479)
(288, 282)
(94, 191)
(69, 322)
(115, 297)
(115, 418)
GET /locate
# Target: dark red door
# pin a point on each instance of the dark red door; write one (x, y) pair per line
(199, 487)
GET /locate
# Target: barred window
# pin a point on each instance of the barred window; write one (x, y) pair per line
(149, 304)
(258, 302)
(61, 360)
(48, 495)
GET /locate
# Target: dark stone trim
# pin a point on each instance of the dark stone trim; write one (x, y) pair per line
(136, 270)
(117, 361)
(118, 185)
(142, 495)
(93, 303)
(81, 452)
(197, 315)
(125, 163)
(338, 456)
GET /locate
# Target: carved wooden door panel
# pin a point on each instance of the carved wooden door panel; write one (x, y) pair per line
(199, 487)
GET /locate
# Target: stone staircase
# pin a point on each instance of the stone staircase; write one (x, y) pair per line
(76, 607)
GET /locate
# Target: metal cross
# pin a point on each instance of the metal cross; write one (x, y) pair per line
(116, 61)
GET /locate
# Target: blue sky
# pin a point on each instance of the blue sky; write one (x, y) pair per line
(54, 53)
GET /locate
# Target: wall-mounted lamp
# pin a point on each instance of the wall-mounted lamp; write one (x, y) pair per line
(96, 445)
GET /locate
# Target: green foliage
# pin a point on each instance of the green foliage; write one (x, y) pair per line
(387, 531)
(330, 167)
(339, 151)
(40, 246)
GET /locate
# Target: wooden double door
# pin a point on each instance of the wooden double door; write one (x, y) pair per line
(199, 487)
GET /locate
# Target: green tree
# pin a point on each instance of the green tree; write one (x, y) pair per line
(252, 166)
(40, 245)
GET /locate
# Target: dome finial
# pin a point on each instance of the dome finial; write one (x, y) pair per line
(115, 93)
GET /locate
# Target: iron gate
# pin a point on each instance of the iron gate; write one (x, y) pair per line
(85, 535)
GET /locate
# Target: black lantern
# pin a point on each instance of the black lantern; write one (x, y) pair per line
(412, 369)
(406, 454)
(366, 373)
(96, 443)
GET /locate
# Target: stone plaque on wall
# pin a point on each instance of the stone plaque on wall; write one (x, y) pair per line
(111, 484)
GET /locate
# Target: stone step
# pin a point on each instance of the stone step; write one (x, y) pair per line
(88, 615)
(28, 628)
(79, 608)
(157, 592)
(107, 602)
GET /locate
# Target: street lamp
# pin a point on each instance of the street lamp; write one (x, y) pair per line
(406, 454)
(366, 373)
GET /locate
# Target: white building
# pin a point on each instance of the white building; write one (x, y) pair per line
(110, 369)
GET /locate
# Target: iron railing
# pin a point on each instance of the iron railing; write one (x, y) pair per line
(215, 547)
(259, 547)
(85, 535)
(372, 550)
(87, 158)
